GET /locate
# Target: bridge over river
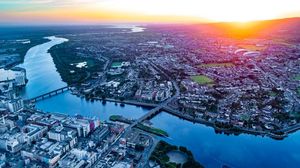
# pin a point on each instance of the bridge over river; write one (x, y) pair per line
(48, 95)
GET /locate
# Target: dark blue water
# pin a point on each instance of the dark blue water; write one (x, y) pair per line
(243, 151)
(211, 149)
(69, 104)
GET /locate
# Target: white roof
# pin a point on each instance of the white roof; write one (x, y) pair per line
(8, 74)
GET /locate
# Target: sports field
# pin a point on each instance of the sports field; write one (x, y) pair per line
(216, 65)
(202, 79)
(297, 77)
(116, 64)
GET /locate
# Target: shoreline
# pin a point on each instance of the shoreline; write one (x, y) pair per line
(231, 131)
(235, 130)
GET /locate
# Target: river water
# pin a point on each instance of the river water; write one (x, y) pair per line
(40, 69)
(43, 78)
(242, 151)
(211, 149)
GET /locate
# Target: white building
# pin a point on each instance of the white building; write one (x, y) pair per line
(11, 142)
(61, 133)
(18, 76)
(33, 132)
(15, 105)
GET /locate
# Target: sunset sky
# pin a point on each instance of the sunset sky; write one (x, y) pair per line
(102, 11)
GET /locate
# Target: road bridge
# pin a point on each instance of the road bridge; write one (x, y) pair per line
(48, 95)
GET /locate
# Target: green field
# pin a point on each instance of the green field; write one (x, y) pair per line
(120, 119)
(296, 115)
(114, 117)
(245, 117)
(116, 64)
(202, 79)
(273, 94)
(153, 130)
(216, 65)
(252, 47)
(297, 77)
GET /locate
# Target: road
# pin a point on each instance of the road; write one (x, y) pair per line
(97, 163)
(278, 84)
(147, 153)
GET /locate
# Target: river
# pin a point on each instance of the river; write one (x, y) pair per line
(43, 77)
(133, 28)
(211, 149)
(40, 69)
(242, 151)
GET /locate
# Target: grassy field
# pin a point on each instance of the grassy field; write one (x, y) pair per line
(252, 47)
(202, 79)
(153, 130)
(273, 94)
(245, 117)
(216, 65)
(296, 115)
(120, 119)
(297, 77)
(116, 64)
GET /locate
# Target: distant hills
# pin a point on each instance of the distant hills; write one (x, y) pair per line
(289, 27)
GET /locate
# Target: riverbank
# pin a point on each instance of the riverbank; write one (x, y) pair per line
(13, 51)
(230, 131)
(40, 70)
(149, 129)
(211, 149)
(133, 28)
(161, 153)
(130, 102)
(233, 130)
(72, 67)
(278, 135)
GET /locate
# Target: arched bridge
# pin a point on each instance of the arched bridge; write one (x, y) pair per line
(49, 94)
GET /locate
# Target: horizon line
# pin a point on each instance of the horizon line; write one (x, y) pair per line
(91, 23)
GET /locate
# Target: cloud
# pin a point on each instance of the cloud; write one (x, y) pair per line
(12, 5)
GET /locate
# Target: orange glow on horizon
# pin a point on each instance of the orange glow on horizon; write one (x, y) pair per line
(178, 11)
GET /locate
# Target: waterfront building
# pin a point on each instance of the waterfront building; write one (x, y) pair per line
(15, 105)
(18, 76)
